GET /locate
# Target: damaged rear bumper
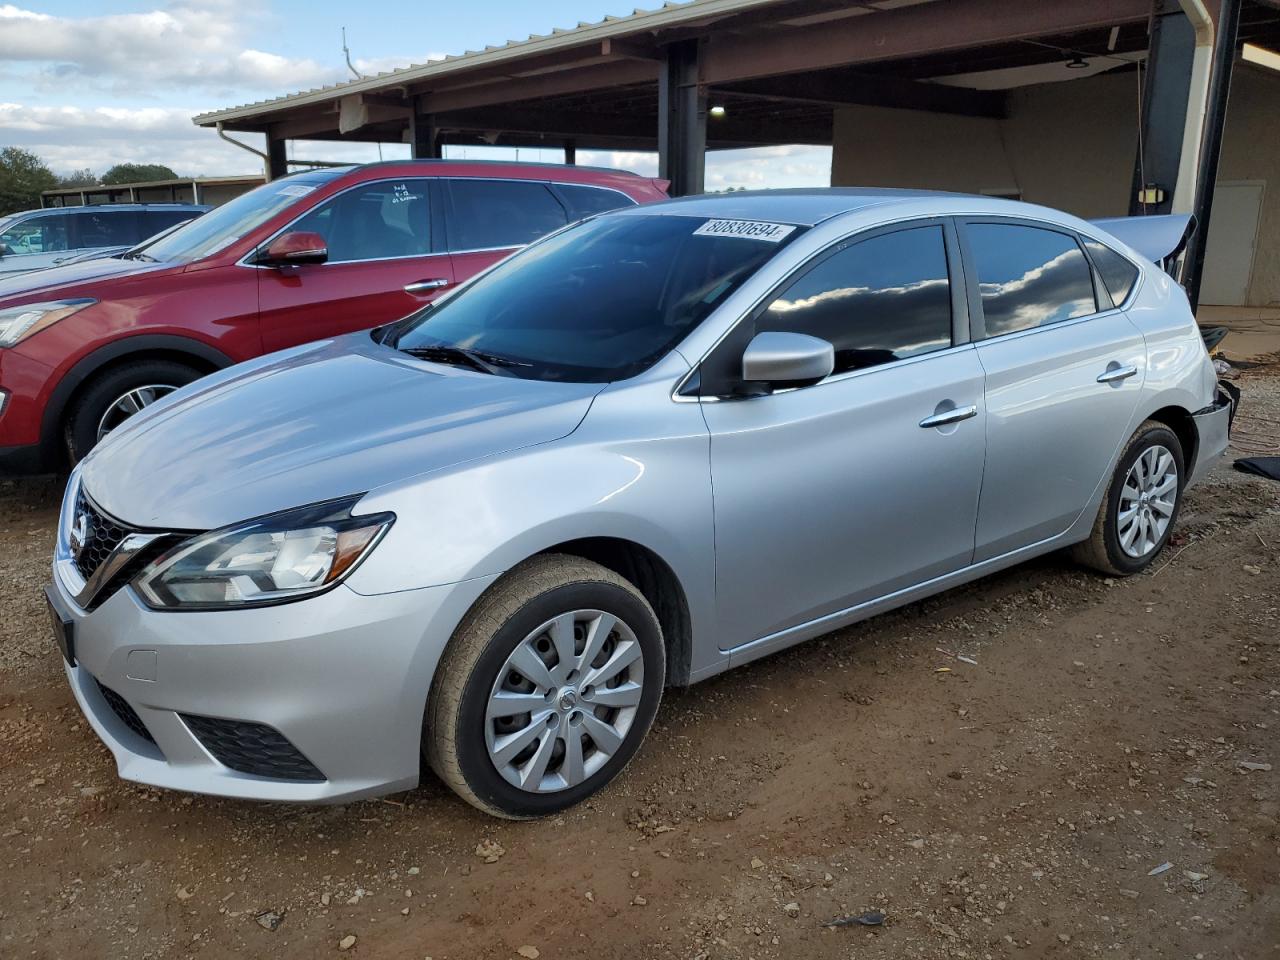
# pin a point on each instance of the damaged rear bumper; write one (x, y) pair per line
(1213, 429)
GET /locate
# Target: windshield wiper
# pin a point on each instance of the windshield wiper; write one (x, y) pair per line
(442, 353)
(137, 255)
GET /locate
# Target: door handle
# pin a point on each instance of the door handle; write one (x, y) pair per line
(955, 415)
(423, 286)
(1116, 373)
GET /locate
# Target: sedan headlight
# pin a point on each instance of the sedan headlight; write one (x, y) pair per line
(274, 559)
(18, 323)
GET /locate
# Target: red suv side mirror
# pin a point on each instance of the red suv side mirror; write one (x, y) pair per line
(293, 248)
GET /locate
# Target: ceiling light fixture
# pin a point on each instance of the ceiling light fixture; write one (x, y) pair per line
(717, 111)
(1261, 56)
(1077, 63)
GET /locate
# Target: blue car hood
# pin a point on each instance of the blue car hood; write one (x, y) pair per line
(322, 421)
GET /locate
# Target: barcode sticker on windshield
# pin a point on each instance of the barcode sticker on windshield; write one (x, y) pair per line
(748, 229)
(295, 190)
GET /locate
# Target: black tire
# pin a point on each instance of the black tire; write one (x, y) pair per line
(104, 389)
(1103, 550)
(544, 587)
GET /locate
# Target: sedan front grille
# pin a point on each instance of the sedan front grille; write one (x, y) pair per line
(252, 748)
(120, 707)
(102, 534)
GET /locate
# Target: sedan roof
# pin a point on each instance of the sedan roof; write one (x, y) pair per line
(803, 206)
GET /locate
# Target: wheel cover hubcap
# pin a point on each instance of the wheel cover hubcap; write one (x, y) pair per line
(127, 404)
(564, 701)
(1147, 501)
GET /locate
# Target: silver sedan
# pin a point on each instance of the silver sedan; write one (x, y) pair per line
(653, 446)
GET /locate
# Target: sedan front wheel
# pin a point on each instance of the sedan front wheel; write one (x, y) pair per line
(546, 689)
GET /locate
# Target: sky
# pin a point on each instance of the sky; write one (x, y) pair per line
(89, 83)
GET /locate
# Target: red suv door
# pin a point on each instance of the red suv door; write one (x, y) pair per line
(491, 217)
(386, 260)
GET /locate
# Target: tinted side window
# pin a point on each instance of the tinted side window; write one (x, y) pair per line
(374, 221)
(587, 201)
(1118, 274)
(1028, 276)
(153, 221)
(106, 228)
(501, 213)
(45, 234)
(879, 300)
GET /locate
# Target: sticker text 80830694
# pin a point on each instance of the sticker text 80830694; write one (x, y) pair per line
(746, 229)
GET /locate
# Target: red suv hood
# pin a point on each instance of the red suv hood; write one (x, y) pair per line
(57, 282)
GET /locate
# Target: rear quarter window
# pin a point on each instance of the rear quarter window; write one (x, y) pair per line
(582, 201)
(1118, 274)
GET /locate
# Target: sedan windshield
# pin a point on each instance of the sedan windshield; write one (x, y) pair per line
(224, 225)
(601, 301)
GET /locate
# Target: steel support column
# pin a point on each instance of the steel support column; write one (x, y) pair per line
(277, 164)
(682, 120)
(424, 136)
(570, 152)
(1215, 121)
(1164, 107)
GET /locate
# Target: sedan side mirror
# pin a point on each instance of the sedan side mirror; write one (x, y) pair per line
(787, 359)
(294, 248)
(4, 250)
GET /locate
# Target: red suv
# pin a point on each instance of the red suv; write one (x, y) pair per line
(310, 256)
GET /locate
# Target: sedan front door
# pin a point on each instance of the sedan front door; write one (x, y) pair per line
(833, 495)
(1063, 380)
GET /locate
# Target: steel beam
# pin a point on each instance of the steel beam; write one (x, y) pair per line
(682, 120)
(1166, 86)
(277, 164)
(1215, 121)
(879, 90)
(910, 31)
(580, 80)
(424, 136)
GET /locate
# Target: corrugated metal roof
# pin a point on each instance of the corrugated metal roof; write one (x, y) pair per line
(667, 16)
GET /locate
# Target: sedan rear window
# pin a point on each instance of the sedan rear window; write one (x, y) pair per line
(598, 302)
(1029, 276)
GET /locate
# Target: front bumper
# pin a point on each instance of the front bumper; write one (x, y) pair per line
(342, 676)
(1213, 429)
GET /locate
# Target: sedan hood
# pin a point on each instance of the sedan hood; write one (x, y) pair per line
(53, 280)
(318, 422)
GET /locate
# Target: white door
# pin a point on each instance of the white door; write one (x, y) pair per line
(1233, 235)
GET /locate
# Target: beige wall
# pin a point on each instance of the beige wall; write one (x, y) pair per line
(1067, 145)
(1251, 151)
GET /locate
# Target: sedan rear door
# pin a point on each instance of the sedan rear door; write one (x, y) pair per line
(1064, 370)
(837, 494)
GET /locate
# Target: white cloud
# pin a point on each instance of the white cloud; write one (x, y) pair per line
(191, 44)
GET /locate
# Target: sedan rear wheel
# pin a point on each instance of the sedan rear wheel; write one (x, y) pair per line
(546, 689)
(1137, 514)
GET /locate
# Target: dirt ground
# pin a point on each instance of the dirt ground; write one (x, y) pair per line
(1015, 806)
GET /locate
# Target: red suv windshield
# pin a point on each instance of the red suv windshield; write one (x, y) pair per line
(224, 225)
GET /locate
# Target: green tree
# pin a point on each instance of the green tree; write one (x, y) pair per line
(23, 176)
(79, 178)
(137, 173)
